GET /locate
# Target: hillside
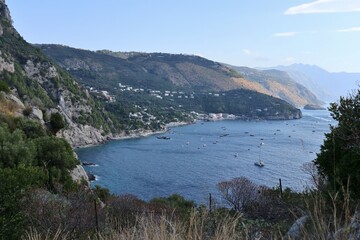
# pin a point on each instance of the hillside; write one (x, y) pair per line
(170, 72)
(142, 70)
(328, 86)
(166, 84)
(279, 84)
(127, 95)
(42, 88)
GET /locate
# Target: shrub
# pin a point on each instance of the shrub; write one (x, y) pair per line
(56, 122)
(4, 87)
(27, 110)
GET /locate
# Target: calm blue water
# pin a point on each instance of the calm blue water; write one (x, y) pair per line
(199, 156)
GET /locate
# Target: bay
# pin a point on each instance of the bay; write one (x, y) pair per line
(198, 156)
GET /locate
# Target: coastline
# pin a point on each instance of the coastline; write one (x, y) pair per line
(135, 134)
(199, 117)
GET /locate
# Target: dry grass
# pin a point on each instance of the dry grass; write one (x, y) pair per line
(200, 226)
(33, 234)
(8, 107)
(329, 218)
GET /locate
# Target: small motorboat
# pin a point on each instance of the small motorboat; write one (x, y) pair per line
(259, 163)
(163, 137)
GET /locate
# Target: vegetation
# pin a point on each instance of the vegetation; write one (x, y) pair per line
(4, 87)
(205, 86)
(56, 122)
(42, 85)
(40, 200)
(338, 160)
(29, 159)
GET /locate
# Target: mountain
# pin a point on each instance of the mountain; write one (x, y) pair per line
(145, 70)
(102, 94)
(40, 88)
(278, 83)
(170, 72)
(326, 85)
(163, 83)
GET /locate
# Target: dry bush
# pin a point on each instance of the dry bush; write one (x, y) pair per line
(238, 192)
(150, 227)
(8, 107)
(331, 216)
(73, 213)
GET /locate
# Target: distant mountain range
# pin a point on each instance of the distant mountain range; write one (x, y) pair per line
(326, 85)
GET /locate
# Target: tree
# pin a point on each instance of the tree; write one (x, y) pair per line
(15, 183)
(338, 160)
(54, 152)
(238, 192)
(14, 149)
(56, 122)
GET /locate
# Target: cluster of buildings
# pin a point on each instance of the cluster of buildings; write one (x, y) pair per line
(155, 93)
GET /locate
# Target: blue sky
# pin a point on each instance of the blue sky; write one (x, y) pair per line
(256, 33)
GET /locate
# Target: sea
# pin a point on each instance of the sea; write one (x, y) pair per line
(191, 160)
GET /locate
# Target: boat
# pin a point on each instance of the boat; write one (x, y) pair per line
(259, 163)
(163, 137)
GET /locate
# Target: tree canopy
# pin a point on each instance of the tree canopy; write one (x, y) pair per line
(339, 158)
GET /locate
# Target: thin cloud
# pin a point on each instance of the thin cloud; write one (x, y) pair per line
(325, 6)
(354, 29)
(285, 34)
(255, 56)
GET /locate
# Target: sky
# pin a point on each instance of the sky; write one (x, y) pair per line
(253, 33)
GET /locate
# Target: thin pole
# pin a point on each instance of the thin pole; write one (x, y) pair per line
(281, 191)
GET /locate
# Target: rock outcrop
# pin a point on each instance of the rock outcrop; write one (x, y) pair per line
(37, 114)
(4, 11)
(78, 174)
(42, 87)
(5, 65)
(295, 232)
(355, 226)
(82, 135)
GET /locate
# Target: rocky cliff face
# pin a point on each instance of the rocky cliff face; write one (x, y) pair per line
(40, 85)
(4, 11)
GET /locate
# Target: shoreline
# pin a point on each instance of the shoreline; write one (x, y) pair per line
(200, 117)
(135, 134)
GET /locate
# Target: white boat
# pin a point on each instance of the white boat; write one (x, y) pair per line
(259, 163)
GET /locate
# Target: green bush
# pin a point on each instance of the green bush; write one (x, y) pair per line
(54, 152)
(4, 87)
(15, 183)
(56, 122)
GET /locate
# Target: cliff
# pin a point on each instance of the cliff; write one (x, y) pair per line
(44, 88)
